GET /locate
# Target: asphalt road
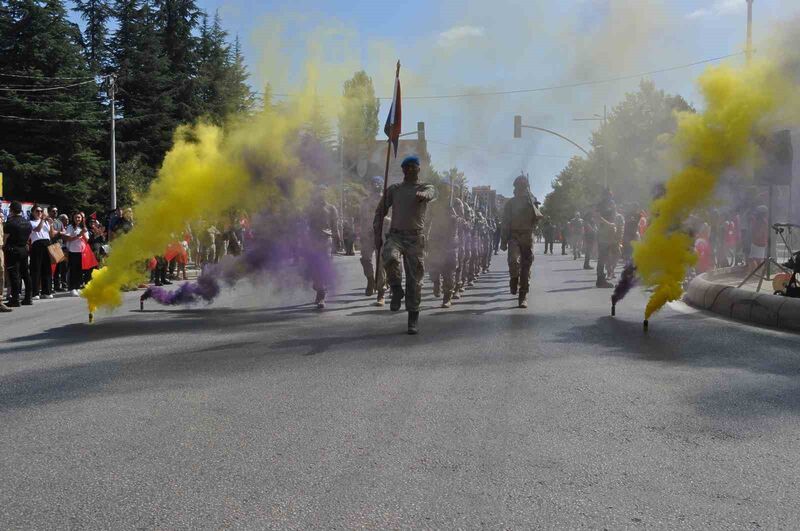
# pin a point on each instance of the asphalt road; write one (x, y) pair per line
(260, 412)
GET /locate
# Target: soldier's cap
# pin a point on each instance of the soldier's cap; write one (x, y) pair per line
(377, 180)
(411, 159)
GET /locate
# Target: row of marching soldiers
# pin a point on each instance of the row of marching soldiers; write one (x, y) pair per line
(457, 242)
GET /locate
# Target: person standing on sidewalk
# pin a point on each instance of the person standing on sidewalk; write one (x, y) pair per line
(76, 236)
(3, 307)
(40, 271)
(17, 233)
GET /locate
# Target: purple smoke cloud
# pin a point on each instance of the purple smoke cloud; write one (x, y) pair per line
(292, 256)
(626, 282)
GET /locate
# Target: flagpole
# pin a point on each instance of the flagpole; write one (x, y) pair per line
(385, 189)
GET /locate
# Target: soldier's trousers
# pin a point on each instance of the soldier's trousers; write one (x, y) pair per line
(320, 265)
(466, 264)
(367, 252)
(443, 264)
(520, 259)
(474, 260)
(405, 251)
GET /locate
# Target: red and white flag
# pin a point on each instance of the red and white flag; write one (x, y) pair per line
(394, 120)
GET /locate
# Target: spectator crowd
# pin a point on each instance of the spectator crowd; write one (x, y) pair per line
(45, 252)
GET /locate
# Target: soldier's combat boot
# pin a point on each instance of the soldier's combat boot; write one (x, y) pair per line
(457, 293)
(379, 301)
(413, 318)
(446, 300)
(397, 298)
(370, 291)
(320, 300)
(513, 285)
(437, 292)
(523, 299)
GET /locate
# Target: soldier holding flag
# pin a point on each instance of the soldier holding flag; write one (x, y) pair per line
(405, 244)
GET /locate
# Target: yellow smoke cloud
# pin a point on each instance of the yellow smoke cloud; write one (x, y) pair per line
(208, 171)
(741, 103)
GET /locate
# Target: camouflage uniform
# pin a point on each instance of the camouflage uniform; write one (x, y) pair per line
(367, 212)
(520, 216)
(460, 276)
(323, 223)
(443, 256)
(405, 245)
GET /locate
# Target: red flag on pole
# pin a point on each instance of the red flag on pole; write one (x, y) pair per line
(394, 120)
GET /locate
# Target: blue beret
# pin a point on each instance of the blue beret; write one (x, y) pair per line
(411, 159)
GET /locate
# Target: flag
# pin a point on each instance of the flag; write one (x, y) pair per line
(393, 121)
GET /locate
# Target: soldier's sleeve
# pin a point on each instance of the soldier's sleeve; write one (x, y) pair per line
(505, 232)
(428, 190)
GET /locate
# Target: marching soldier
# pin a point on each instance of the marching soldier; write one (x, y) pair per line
(323, 223)
(458, 207)
(405, 244)
(467, 273)
(443, 254)
(367, 213)
(520, 216)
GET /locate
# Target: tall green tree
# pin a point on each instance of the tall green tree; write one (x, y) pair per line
(240, 97)
(146, 95)
(48, 150)
(358, 120)
(221, 82)
(95, 15)
(177, 22)
(628, 149)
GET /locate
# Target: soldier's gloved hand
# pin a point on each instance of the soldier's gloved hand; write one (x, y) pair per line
(504, 246)
(422, 197)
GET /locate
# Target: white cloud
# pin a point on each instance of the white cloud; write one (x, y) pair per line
(720, 8)
(700, 13)
(458, 34)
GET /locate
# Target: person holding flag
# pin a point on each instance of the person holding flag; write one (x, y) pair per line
(408, 200)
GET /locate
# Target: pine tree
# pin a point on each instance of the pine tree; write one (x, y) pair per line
(95, 13)
(145, 91)
(212, 52)
(48, 153)
(177, 21)
(240, 97)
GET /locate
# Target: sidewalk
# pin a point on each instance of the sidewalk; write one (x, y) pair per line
(717, 292)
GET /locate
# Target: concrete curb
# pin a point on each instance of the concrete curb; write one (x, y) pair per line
(742, 305)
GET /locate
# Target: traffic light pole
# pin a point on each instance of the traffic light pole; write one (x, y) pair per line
(518, 126)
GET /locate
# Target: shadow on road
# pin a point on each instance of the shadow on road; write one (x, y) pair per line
(767, 357)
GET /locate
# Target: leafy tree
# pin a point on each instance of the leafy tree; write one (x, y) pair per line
(629, 147)
(358, 121)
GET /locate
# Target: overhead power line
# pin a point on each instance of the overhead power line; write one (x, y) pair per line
(498, 152)
(47, 78)
(553, 87)
(45, 89)
(49, 120)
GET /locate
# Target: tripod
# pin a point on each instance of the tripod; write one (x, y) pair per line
(763, 269)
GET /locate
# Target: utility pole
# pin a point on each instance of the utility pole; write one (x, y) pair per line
(112, 86)
(341, 173)
(749, 49)
(604, 119)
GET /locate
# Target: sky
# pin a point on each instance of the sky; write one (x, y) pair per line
(451, 47)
